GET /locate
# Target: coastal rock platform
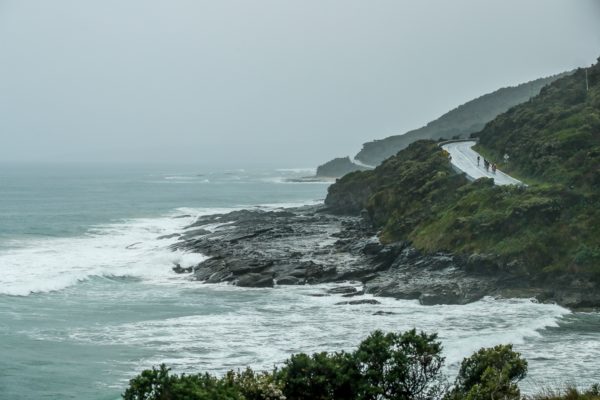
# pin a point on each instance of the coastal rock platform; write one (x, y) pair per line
(307, 245)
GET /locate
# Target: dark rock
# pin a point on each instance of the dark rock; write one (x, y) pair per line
(211, 269)
(255, 280)
(192, 233)
(220, 276)
(288, 280)
(243, 266)
(372, 248)
(178, 269)
(430, 299)
(357, 302)
(383, 313)
(307, 245)
(343, 290)
(357, 293)
(482, 263)
(172, 235)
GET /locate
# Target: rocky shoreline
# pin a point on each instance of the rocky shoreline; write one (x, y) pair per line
(308, 245)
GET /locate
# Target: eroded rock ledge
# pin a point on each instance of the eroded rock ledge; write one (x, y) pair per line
(306, 245)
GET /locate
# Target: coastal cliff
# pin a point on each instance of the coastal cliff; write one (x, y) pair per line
(545, 235)
(415, 228)
(338, 167)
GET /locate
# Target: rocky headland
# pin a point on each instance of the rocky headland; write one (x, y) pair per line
(308, 245)
(338, 167)
(414, 228)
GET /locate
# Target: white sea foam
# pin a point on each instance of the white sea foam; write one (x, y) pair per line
(195, 327)
(264, 326)
(309, 170)
(129, 248)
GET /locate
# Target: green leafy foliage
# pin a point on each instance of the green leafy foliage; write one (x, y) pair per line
(490, 374)
(406, 366)
(159, 384)
(551, 226)
(555, 136)
(417, 196)
(385, 366)
(321, 376)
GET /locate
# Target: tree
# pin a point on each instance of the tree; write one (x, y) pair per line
(490, 374)
(321, 376)
(400, 366)
(158, 384)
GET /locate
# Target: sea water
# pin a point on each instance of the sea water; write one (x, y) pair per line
(88, 297)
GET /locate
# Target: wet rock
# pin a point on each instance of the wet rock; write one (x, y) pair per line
(444, 297)
(372, 248)
(256, 280)
(213, 270)
(192, 233)
(306, 245)
(483, 263)
(356, 293)
(288, 280)
(357, 302)
(343, 290)
(178, 269)
(383, 313)
(244, 266)
(172, 235)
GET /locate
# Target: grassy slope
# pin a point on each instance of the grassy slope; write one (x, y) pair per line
(555, 137)
(548, 227)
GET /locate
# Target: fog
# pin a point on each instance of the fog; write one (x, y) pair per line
(289, 83)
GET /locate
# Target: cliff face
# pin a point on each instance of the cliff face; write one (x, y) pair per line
(458, 123)
(546, 232)
(338, 167)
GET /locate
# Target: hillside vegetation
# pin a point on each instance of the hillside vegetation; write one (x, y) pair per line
(459, 122)
(554, 137)
(551, 226)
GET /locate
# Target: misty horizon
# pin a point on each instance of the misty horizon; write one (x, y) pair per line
(267, 83)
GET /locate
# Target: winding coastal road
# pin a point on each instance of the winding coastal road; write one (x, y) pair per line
(464, 158)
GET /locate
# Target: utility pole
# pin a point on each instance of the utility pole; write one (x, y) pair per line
(587, 85)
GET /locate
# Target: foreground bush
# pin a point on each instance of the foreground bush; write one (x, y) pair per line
(385, 366)
(392, 366)
(490, 374)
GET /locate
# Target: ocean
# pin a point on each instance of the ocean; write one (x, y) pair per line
(88, 297)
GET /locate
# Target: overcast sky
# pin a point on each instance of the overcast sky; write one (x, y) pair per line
(294, 83)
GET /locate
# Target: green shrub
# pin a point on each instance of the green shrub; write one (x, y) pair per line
(158, 384)
(490, 374)
(400, 366)
(322, 376)
(388, 366)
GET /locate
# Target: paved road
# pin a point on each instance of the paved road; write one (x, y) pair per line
(465, 159)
